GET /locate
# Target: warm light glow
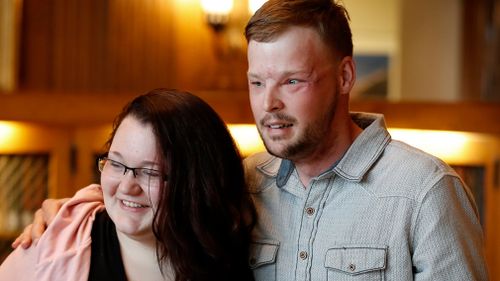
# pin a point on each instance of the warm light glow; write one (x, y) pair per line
(247, 138)
(7, 133)
(218, 7)
(451, 146)
(21, 137)
(254, 5)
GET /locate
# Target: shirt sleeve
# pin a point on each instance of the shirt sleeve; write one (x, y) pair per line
(448, 238)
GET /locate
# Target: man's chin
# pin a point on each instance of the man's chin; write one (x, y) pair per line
(273, 148)
(276, 149)
(290, 151)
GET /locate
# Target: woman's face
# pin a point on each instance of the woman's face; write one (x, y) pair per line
(130, 197)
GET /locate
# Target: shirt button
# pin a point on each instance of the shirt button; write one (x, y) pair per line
(352, 267)
(303, 255)
(309, 211)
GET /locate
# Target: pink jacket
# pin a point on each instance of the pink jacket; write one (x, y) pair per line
(63, 251)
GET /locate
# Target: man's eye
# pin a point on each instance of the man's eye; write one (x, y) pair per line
(293, 81)
(256, 83)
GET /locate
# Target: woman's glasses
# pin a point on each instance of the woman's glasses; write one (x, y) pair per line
(144, 176)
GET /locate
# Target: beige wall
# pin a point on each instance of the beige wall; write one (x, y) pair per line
(376, 29)
(431, 50)
(422, 39)
(374, 25)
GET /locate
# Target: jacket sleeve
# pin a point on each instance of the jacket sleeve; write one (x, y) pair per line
(447, 236)
(63, 251)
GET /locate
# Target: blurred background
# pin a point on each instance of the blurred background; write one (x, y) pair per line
(68, 66)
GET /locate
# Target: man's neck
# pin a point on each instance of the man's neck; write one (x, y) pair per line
(322, 159)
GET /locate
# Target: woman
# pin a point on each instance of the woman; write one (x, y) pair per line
(175, 200)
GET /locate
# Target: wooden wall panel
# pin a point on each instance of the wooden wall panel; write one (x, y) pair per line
(96, 45)
(129, 45)
(481, 50)
(10, 18)
(205, 60)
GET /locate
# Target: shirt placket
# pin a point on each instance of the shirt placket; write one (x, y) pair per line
(311, 212)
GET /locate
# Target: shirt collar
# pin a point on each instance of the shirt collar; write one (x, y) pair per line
(366, 148)
(357, 160)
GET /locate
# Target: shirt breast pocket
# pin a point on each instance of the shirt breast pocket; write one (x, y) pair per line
(262, 259)
(356, 262)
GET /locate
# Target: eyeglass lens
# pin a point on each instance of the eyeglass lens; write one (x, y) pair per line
(117, 170)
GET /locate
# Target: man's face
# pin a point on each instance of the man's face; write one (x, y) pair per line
(293, 89)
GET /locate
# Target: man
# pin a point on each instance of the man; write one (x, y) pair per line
(337, 199)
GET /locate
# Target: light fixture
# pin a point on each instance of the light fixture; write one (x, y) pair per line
(227, 19)
(217, 13)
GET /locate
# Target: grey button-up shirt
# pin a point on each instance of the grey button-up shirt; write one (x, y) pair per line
(385, 211)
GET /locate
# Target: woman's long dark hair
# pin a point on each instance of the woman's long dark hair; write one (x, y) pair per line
(205, 215)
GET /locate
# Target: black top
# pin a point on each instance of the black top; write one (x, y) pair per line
(105, 260)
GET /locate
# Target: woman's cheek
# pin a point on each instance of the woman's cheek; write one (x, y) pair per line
(155, 197)
(108, 185)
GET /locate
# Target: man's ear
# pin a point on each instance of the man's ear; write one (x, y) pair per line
(346, 75)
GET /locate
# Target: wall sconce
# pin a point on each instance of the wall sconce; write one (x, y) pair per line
(227, 19)
(217, 13)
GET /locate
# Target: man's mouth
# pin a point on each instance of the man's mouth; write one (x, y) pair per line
(279, 126)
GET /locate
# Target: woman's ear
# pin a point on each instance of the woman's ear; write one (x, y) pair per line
(346, 75)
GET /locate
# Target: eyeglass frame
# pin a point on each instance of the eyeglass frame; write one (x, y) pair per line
(101, 162)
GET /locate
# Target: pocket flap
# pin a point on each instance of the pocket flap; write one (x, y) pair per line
(356, 259)
(262, 252)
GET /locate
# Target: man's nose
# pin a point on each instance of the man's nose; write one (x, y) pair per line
(272, 100)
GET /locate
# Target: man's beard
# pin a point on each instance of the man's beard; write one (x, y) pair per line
(308, 141)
